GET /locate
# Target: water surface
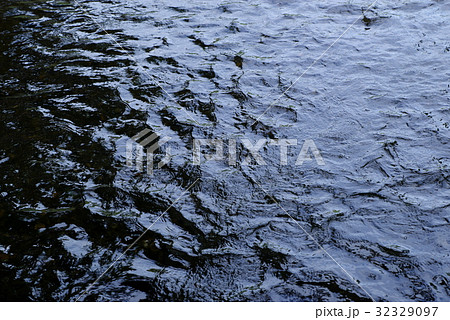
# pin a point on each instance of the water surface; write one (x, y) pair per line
(76, 82)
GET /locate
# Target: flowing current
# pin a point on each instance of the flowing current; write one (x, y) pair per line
(79, 78)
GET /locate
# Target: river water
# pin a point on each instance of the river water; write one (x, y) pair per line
(78, 79)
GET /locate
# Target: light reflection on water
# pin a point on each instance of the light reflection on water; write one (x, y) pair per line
(376, 106)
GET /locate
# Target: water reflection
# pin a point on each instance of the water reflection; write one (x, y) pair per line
(377, 105)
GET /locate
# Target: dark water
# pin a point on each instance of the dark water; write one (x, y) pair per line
(376, 105)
